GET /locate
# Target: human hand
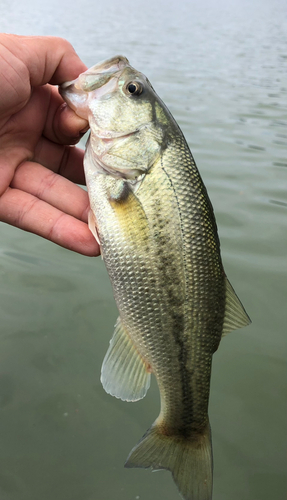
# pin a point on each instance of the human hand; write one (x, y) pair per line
(38, 165)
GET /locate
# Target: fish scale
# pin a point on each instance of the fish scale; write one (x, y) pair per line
(155, 224)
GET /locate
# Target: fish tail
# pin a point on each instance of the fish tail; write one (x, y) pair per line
(189, 460)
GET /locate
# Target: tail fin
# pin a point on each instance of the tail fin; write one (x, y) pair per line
(189, 460)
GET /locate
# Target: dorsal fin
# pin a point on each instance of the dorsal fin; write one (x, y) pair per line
(235, 315)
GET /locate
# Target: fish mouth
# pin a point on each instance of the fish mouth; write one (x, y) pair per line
(114, 64)
(97, 81)
(98, 75)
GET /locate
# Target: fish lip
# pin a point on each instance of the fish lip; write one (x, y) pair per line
(118, 63)
(65, 85)
(106, 65)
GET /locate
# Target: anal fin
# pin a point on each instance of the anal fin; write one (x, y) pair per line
(125, 373)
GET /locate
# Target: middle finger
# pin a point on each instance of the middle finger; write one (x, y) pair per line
(64, 160)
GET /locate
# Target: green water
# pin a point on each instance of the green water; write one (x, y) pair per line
(221, 69)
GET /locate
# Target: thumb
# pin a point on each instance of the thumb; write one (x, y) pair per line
(48, 59)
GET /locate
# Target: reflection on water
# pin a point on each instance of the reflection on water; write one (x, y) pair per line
(221, 69)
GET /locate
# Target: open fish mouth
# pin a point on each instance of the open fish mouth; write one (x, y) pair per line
(99, 81)
(112, 65)
(98, 75)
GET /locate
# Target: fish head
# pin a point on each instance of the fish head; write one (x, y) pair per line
(122, 109)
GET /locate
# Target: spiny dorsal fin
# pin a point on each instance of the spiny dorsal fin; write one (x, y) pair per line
(235, 315)
(124, 373)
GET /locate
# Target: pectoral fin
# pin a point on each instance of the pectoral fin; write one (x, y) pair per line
(125, 374)
(235, 314)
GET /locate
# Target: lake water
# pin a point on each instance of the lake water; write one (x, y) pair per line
(221, 68)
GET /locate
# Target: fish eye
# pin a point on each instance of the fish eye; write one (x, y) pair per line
(134, 88)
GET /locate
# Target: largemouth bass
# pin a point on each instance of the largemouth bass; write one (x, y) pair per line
(151, 214)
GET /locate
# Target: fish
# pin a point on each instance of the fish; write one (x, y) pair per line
(151, 214)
